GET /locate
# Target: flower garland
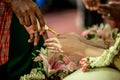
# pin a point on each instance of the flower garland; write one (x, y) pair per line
(104, 60)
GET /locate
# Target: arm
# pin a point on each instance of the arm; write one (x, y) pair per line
(71, 45)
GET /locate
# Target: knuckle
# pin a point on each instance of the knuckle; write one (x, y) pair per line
(34, 6)
(26, 10)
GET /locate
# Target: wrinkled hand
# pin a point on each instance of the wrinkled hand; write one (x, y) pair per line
(91, 4)
(53, 44)
(72, 45)
(27, 12)
(110, 10)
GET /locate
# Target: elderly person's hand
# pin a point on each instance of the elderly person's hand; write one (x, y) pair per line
(73, 45)
(91, 4)
(110, 10)
(53, 45)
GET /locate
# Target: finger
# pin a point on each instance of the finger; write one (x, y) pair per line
(42, 28)
(51, 48)
(96, 3)
(40, 20)
(29, 29)
(33, 21)
(54, 49)
(103, 16)
(104, 6)
(114, 3)
(45, 36)
(36, 38)
(55, 40)
(89, 5)
(42, 31)
(40, 17)
(106, 16)
(106, 13)
(21, 20)
(31, 38)
(86, 4)
(92, 4)
(27, 20)
(103, 12)
(53, 45)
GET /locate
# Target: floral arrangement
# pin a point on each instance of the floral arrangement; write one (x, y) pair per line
(105, 33)
(55, 66)
(52, 66)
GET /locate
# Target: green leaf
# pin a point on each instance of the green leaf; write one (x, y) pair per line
(60, 58)
(34, 54)
(114, 33)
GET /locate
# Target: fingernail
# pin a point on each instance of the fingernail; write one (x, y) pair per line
(35, 44)
(29, 41)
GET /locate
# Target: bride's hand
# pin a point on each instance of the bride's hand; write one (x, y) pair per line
(53, 45)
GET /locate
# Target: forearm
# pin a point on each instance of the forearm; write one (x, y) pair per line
(72, 44)
(88, 50)
(93, 51)
(96, 43)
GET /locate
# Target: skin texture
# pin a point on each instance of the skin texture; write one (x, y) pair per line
(53, 44)
(71, 44)
(91, 4)
(113, 9)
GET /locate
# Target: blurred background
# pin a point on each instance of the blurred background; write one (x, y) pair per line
(68, 15)
(60, 15)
